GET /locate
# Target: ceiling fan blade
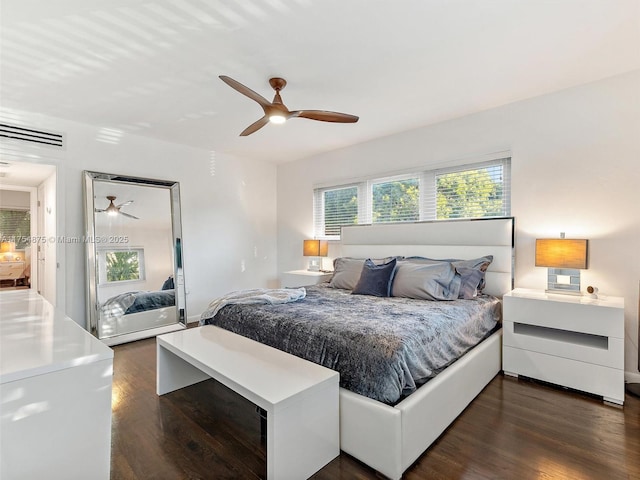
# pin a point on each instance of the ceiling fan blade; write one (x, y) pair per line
(255, 126)
(245, 91)
(125, 203)
(325, 116)
(130, 216)
(100, 210)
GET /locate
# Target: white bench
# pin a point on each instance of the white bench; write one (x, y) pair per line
(300, 397)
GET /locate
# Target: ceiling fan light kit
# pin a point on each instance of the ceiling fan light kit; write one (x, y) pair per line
(276, 112)
(277, 119)
(112, 209)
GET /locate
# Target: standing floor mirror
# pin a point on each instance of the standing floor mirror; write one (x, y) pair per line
(135, 278)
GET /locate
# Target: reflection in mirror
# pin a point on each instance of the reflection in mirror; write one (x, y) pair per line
(136, 284)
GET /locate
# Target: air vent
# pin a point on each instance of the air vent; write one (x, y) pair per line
(30, 135)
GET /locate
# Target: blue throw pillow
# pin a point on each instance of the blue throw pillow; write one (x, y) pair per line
(375, 279)
(168, 284)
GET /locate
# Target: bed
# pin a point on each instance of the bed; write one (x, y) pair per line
(389, 429)
(137, 310)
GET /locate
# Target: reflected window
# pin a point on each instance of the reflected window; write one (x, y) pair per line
(15, 226)
(121, 265)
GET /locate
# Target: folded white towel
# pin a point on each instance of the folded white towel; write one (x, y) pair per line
(254, 296)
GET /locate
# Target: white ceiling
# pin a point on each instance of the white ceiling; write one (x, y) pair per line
(151, 67)
(23, 174)
(152, 206)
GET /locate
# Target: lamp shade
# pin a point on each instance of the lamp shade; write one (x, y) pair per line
(561, 253)
(7, 247)
(315, 248)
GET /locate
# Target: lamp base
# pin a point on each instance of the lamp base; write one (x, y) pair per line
(314, 265)
(564, 281)
(633, 389)
(563, 292)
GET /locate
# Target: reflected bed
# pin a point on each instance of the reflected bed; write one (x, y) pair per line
(136, 311)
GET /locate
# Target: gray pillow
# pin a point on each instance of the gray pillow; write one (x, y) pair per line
(375, 279)
(347, 270)
(426, 281)
(471, 281)
(481, 264)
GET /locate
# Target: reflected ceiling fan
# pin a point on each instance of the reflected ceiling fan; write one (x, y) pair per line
(277, 112)
(114, 209)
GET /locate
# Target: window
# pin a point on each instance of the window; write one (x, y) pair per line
(335, 207)
(396, 200)
(15, 226)
(468, 191)
(471, 192)
(120, 265)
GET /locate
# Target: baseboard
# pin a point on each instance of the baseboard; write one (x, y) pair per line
(632, 377)
(193, 318)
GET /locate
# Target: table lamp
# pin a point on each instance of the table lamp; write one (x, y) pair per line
(315, 249)
(6, 249)
(564, 258)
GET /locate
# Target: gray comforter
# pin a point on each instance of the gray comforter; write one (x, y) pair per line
(383, 348)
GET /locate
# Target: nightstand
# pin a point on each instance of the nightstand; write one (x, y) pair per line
(573, 341)
(303, 278)
(13, 270)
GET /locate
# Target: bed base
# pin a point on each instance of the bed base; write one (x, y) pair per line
(152, 323)
(389, 439)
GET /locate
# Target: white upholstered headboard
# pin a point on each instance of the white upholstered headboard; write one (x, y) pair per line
(464, 239)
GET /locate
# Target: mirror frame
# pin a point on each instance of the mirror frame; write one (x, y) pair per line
(91, 255)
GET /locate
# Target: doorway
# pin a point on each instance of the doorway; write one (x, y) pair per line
(30, 244)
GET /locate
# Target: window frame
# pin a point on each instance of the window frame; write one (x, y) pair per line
(427, 185)
(504, 162)
(102, 265)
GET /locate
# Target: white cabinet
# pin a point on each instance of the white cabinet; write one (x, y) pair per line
(13, 270)
(573, 341)
(303, 278)
(55, 394)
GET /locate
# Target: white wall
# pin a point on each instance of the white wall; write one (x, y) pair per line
(47, 256)
(228, 206)
(14, 199)
(575, 168)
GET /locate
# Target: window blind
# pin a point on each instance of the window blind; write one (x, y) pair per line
(334, 207)
(469, 191)
(15, 226)
(396, 200)
(480, 190)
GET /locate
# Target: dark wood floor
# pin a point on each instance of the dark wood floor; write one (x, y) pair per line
(515, 429)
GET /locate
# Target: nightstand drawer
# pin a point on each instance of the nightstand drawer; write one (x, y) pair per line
(574, 316)
(11, 270)
(584, 347)
(597, 379)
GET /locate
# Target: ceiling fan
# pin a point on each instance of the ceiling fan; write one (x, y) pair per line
(277, 112)
(114, 209)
